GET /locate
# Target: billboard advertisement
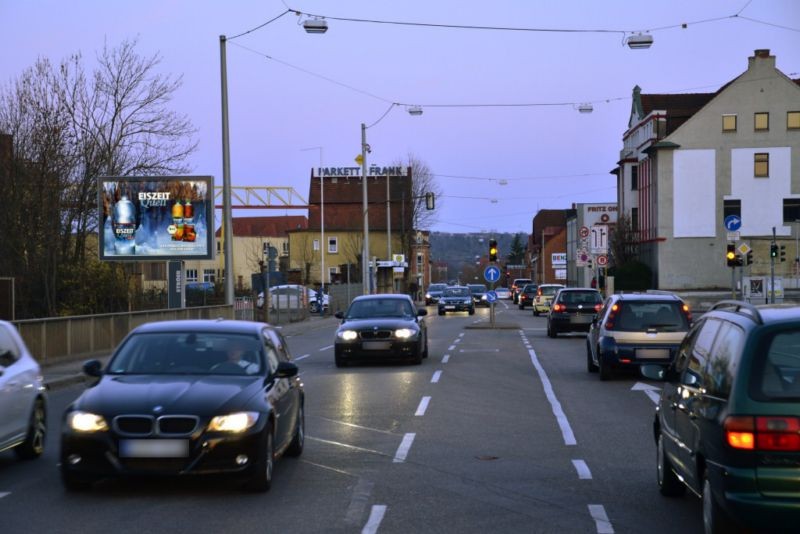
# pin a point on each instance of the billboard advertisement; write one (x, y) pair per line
(151, 218)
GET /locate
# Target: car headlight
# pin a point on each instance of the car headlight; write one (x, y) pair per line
(348, 335)
(86, 422)
(483, 297)
(234, 422)
(427, 295)
(404, 333)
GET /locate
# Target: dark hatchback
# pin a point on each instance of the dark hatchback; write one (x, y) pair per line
(479, 297)
(527, 295)
(456, 299)
(573, 310)
(727, 425)
(383, 326)
(172, 402)
(433, 293)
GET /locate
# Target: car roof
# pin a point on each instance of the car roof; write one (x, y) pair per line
(206, 325)
(761, 313)
(568, 289)
(652, 296)
(399, 296)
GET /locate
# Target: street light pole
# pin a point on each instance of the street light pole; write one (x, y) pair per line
(365, 250)
(227, 222)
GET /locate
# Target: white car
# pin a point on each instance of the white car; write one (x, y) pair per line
(313, 303)
(502, 293)
(290, 296)
(23, 409)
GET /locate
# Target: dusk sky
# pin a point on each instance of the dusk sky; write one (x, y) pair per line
(318, 89)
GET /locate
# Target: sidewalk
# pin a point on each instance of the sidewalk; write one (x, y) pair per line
(67, 373)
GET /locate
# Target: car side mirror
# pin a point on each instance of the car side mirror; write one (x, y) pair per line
(93, 368)
(653, 371)
(421, 312)
(339, 315)
(286, 370)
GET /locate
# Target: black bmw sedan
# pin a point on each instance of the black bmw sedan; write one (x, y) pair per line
(187, 397)
(381, 326)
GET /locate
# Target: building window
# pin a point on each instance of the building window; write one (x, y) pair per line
(731, 207)
(315, 245)
(634, 177)
(791, 210)
(208, 275)
(191, 275)
(729, 123)
(285, 248)
(761, 166)
(155, 271)
(333, 245)
(333, 273)
(420, 261)
(793, 120)
(219, 247)
(761, 121)
(635, 219)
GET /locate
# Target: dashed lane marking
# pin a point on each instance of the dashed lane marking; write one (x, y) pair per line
(302, 357)
(4, 494)
(423, 405)
(582, 469)
(326, 348)
(402, 450)
(445, 358)
(375, 518)
(600, 517)
(436, 376)
(451, 347)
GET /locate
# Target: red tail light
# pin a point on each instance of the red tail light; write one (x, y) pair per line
(559, 308)
(612, 317)
(687, 312)
(763, 433)
(598, 307)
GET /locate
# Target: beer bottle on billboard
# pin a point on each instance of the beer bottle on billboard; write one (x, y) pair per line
(124, 224)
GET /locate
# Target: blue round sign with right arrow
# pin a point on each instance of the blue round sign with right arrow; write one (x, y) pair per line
(733, 223)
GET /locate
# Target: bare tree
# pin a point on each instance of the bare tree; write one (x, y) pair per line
(423, 181)
(623, 241)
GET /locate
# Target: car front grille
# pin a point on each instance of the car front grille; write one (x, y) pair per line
(134, 425)
(147, 425)
(376, 334)
(177, 424)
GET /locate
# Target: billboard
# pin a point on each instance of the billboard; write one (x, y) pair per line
(151, 218)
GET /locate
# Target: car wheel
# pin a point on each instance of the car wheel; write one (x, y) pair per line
(417, 358)
(535, 313)
(441, 312)
(425, 351)
(472, 311)
(551, 332)
(33, 446)
(604, 369)
(299, 440)
(715, 520)
(590, 365)
(262, 479)
(668, 482)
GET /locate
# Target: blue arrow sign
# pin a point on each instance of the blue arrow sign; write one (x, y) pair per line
(733, 223)
(491, 273)
(491, 296)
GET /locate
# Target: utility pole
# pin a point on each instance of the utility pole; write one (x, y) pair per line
(773, 251)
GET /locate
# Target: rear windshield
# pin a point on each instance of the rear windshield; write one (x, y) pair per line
(519, 282)
(580, 297)
(530, 288)
(641, 315)
(777, 375)
(548, 291)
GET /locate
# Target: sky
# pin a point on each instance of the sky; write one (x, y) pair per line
(298, 99)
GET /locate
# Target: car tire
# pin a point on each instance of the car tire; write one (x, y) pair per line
(33, 446)
(261, 481)
(339, 360)
(441, 312)
(590, 365)
(417, 358)
(551, 332)
(668, 482)
(535, 313)
(715, 520)
(605, 371)
(299, 440)
(472, 311)
(521, 307)
(425, 351)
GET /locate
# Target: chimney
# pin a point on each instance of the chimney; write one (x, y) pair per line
(761, 55)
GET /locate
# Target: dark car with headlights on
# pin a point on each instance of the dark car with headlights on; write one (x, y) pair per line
(573, 310)
(382, 326)
(479, 297)
(187, 397)
(456, 299)
(433, 293)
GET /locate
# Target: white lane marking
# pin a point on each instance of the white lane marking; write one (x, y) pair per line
(479, 350)
(4, 494)
(326, 348)
(423, 405)
(457, 341)
(461, 334)
(436, 377)
(375, 518)
(402, 450)
(582, 469)
(451, 347)
(650, 391)
(445, 358)
(356, 426)
(561, 418)
(302, 357)
(598, 513)
(359, 501)
(345, 445)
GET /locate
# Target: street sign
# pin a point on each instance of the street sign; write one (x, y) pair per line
(733, 223)
(359, 159)
(744, 248)
(491, 273)
(602, 260)
(491, 296)
(584, 231)
(598, 243)
(733, 236)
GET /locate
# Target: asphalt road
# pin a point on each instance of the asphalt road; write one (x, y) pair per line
(497, 431)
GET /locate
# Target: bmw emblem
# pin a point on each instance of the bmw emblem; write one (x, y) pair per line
(375, 328)
(158, 409)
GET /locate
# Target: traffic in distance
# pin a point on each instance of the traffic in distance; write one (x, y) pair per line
(628, 413)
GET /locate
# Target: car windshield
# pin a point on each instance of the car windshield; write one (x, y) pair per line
(436, 287)
(530, 288)
(641, 315)
(548, 291)
(379, 307)
(477, 288)
(779, 376)
(456, 292)
(204, 353)
(580, 297)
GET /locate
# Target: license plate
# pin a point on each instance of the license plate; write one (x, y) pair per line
(449, 307)
(580, 319)
(376, 345)
(154, 448)
(652, 354)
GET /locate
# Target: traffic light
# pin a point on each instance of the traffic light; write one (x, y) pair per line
(492, 250)
(773, 250)
(430, 201)
(730, 255)
(749, 258)
(783, 252)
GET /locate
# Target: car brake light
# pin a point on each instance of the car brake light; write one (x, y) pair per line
(612, 316)
(559, 307)
(687, 312)
(763, 433)
(739, 432)
(597, 307)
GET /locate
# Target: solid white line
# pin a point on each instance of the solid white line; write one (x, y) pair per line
(302, 357)
(451, 347)
(561, 418)
(375, 518)
(582, 469)
(436, 377)
(423, 405)
(445, 358)
(402, 450)
(326, 348)
(4, 494)
(598, 513)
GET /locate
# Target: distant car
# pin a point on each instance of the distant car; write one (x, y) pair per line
(177, 399)
(479, 294)
(502, 293)
(382, 326)
(573, 309)
(517, 286)
(526, 296)
(23, 401)
(636, 328)
(456, 299)
(727, 424)
(433, 293)
(544, 294)
(313, 302)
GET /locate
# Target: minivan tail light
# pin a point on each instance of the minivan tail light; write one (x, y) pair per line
(740, 432)
(763, 433)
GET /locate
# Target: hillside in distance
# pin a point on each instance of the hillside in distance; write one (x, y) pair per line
(462, 251)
